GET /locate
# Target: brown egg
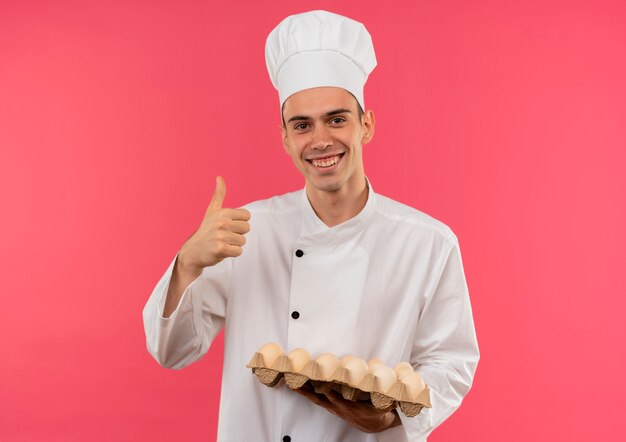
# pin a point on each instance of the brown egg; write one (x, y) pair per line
(326, 365)
(374, 363)
(413, 385)
(349, 374)
(385, 377)
(402, 369)
(299, 358)
(356, 369)
(343, 361)
(270, 353)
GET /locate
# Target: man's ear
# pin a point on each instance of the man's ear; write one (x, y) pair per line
(283, 137)
(368, 122)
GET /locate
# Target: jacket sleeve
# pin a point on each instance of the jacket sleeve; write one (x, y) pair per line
(445, 350)
(186, 335)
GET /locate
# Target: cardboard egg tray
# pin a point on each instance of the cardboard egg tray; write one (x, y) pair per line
(354, 378)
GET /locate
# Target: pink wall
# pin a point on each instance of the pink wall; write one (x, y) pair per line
(503, 119)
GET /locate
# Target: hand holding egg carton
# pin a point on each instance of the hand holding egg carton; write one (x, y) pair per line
(354, 378)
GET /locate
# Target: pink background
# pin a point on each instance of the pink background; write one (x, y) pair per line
(505, 120)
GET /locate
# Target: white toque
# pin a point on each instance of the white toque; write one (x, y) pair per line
(319, 48)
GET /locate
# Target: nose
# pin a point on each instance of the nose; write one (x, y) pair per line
(320, 137)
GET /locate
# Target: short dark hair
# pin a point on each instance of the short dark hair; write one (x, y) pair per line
(358, 105)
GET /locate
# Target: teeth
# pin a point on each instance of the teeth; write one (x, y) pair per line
(327, 162)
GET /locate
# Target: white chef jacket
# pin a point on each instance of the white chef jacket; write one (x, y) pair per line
(387, 284)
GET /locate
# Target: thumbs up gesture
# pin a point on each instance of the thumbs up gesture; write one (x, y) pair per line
(220, 235)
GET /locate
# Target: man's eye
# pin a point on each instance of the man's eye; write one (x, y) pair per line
(338, 120)
(300, 126)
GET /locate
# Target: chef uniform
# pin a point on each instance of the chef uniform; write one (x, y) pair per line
(387, 284)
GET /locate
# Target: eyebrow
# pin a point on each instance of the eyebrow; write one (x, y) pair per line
(327, 114)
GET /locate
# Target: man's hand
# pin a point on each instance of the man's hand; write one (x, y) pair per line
(359, 414)
(220, 235)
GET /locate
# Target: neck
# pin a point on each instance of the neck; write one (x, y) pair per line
(339, 206)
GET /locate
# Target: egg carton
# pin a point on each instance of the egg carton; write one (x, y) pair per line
(354, 378)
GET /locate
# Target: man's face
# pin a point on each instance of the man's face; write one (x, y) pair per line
(324, 137)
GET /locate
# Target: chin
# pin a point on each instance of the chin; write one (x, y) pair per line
(333, 186)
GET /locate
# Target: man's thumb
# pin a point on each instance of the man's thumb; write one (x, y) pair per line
(218, 195)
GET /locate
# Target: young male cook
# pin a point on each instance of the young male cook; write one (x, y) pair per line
(334, 267)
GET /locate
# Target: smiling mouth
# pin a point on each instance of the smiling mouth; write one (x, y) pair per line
(323, 163)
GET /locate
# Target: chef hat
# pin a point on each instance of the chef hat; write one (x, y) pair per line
(319, 48)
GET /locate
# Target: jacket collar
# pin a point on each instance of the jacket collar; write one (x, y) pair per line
(314, 232)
